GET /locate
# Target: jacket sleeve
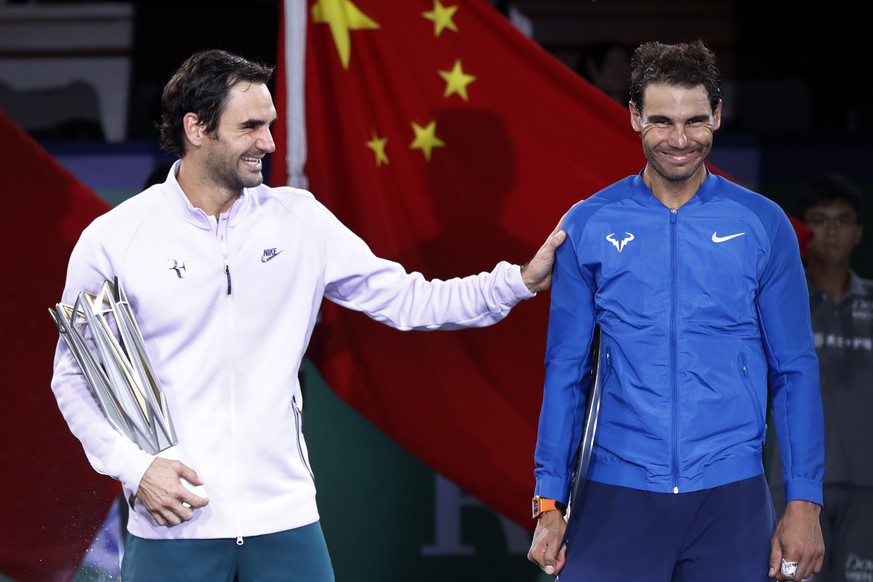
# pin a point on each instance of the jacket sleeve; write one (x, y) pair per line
(568, 363)
(783, 307)
(109, 452)
(383, 290)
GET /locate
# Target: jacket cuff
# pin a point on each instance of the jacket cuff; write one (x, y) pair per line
(804, 490)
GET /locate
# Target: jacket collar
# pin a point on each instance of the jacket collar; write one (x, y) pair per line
(181, 206)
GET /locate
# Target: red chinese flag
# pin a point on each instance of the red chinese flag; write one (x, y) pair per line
(448, 140)
(54, 501)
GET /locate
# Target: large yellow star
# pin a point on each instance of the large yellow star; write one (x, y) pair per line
(342, 16)
(425, 139)
(456, 81)
(377, 144)
(441, 16)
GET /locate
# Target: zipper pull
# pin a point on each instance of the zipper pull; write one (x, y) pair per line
(227, 274)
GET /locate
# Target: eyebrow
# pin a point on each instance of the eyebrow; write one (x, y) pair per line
(663, 118)
(252, 123)
(823, 214)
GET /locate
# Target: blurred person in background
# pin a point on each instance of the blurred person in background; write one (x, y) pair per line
(606, 65)
(841, 304)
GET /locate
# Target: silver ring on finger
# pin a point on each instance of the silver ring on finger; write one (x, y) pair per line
(789, 569)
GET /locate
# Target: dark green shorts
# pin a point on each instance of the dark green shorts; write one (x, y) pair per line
(296, 555)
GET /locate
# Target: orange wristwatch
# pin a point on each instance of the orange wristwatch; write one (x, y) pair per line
(541, 505)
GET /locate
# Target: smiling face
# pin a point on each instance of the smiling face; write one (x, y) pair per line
(232, 156)
(676, 125)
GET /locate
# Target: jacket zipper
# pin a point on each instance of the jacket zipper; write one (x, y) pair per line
(222, 232)
(674, 382)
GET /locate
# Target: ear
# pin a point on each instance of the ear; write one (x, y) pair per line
(636, 117)
(194, 130)
(716, 116)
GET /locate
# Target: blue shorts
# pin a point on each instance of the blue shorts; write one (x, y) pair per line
(296, 555)
(718, 535)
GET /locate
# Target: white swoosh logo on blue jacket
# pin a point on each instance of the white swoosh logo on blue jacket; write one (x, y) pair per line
(721, 239)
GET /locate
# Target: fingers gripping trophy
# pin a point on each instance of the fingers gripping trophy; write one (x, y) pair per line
(106, 342)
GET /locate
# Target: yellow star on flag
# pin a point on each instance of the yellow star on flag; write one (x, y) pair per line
(377, 144)
(425, 139)
(441, 16)
(342, 16)
(456, 81)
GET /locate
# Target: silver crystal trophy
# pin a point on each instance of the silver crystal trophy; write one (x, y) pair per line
(119, 370)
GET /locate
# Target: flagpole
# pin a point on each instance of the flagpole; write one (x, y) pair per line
(295, 102)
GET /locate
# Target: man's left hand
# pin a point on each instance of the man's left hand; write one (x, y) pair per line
(798, 539)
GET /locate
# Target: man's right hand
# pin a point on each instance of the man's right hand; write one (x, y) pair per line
(165, 498)
(547, 550)
(537, 274)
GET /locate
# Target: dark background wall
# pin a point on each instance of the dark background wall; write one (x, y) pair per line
(165, 32)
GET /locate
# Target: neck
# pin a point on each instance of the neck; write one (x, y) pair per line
(205, 194)
(670, 193)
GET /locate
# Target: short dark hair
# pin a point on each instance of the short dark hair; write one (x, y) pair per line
(681, 64)
(831, 187)
(201, 86)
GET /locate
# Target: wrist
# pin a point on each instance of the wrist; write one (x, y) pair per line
(521, 271)
(803, 505)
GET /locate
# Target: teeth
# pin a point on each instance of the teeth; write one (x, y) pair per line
(251, 160)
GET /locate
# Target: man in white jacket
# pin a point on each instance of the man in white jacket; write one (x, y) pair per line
(225, 277)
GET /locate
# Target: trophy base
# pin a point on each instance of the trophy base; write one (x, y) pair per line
(172, 453)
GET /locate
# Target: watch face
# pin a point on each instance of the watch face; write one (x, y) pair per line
(540, 505)
(537, 506)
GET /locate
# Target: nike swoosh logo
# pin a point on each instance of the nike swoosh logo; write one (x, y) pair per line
(266, 258)
(721, 239)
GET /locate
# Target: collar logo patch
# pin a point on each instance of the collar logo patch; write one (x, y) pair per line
(619, 244)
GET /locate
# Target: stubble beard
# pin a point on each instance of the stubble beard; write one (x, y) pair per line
(228, 175)
(673, 174)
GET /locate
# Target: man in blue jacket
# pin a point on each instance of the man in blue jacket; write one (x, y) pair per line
(698, 289)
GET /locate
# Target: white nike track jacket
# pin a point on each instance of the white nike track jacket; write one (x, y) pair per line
(227, 308)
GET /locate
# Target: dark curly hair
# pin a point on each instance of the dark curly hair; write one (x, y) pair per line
(201, 86)
(682, 64)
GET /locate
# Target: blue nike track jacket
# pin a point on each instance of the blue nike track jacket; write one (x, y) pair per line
(702, 310)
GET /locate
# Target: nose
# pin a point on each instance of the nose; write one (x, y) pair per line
(265, 141)
(677, 136)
